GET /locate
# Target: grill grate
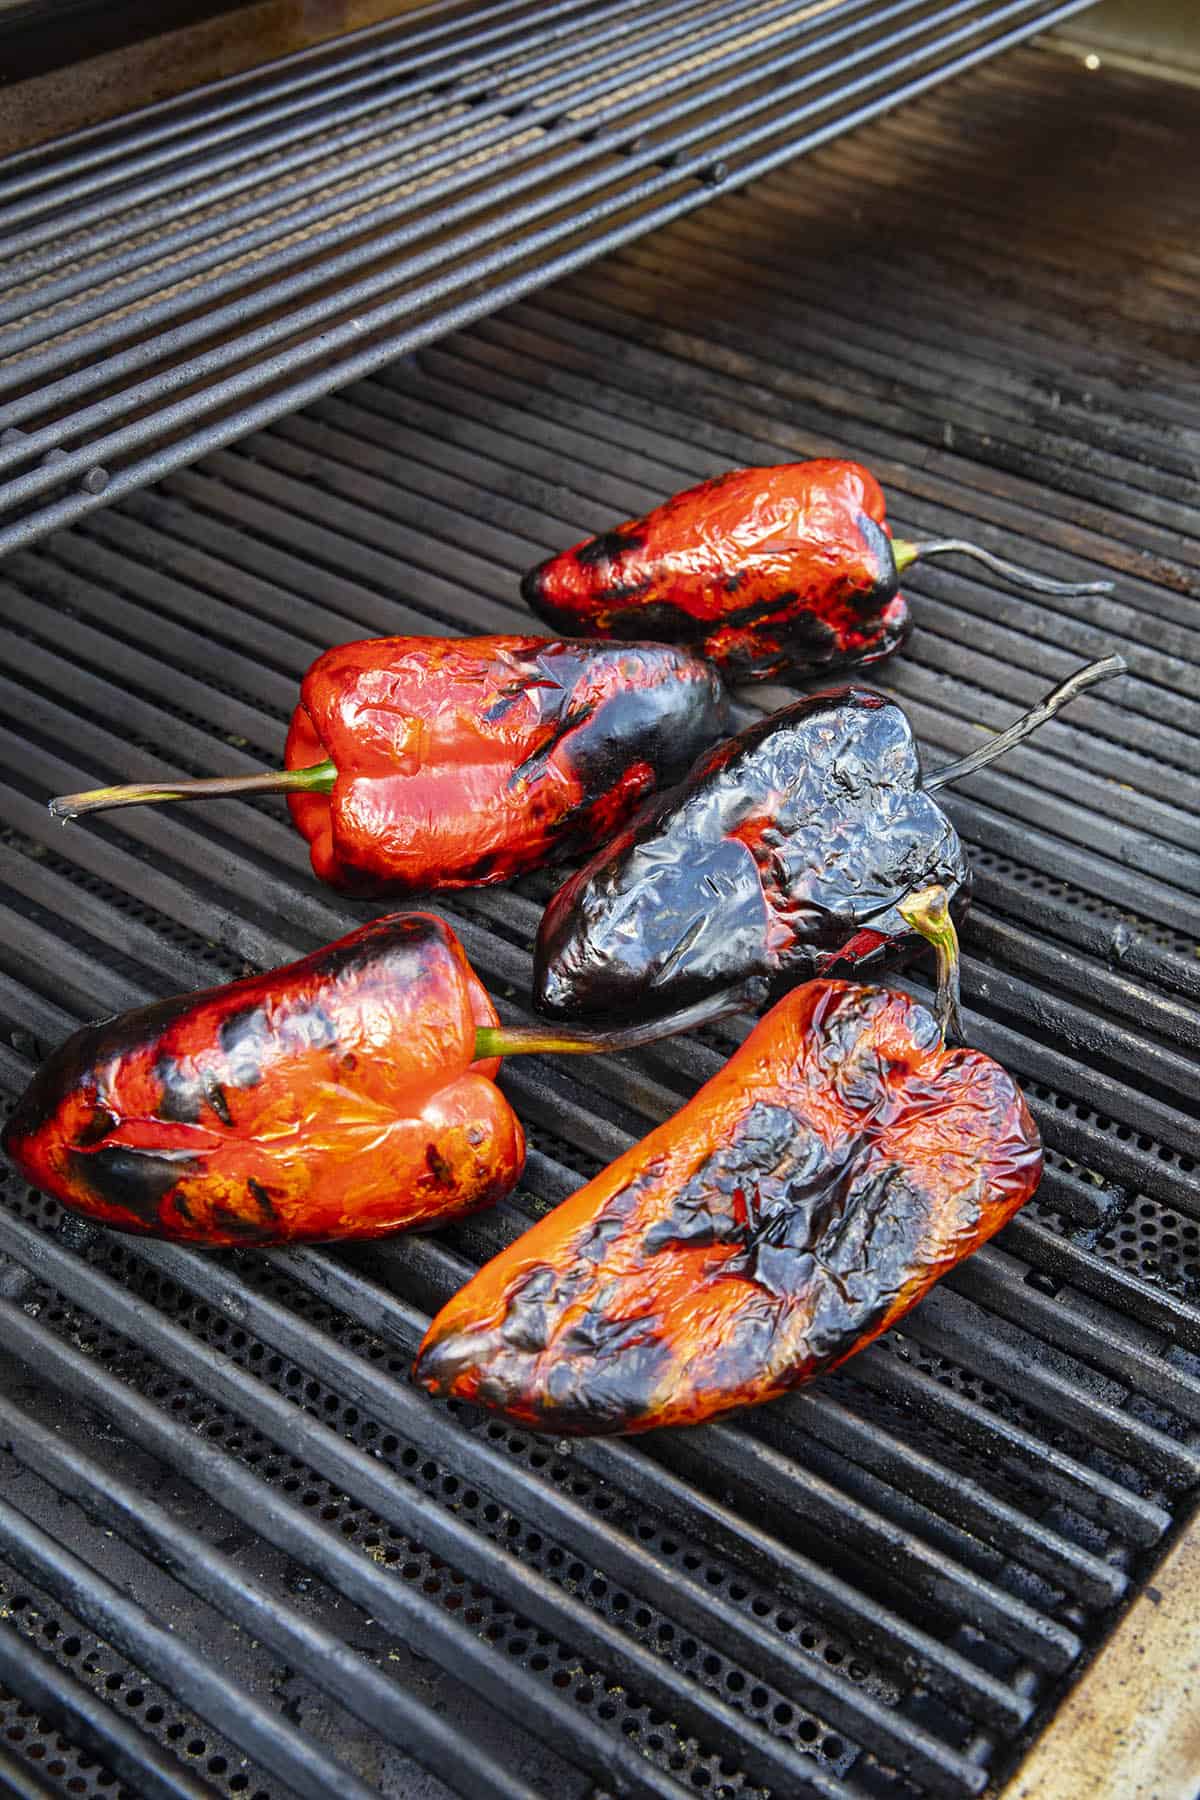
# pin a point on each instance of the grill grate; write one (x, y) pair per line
(245, 250)
(878, 1586)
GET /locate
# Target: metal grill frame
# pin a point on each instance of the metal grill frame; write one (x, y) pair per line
(947, 1474)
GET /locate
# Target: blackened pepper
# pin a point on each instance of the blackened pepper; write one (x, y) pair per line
(810, 839)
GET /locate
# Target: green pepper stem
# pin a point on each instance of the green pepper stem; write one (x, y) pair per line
(929, 913)
(317, 779)
(577, 1040)
(904, 554)
(1021, 728)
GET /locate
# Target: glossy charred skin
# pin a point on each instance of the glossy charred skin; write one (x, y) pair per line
(337, 1097)
(797, 1207)
(784, 852)
(785, 570)
(465, 761)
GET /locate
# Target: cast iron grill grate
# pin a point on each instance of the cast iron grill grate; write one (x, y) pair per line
(876, 1587)
(175, 280)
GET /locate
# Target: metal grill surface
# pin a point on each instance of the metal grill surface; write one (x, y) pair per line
(235, 1545)
(172, 281)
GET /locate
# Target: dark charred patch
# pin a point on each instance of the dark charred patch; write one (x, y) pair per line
(246, 1231)
(664, 623)
(591, 1244)
(756, 610)
(873, 599)
(768, 1172)
(214, 1093)
(441, 1170)
(807, 637)
(609, 1389)
(181, 1093)
(664, 723)
(610, 546)
(136, 1180)
(242, 1037)
(734, 582)
(532, 583)
(625, 590)
(486, 867)
(313, 1026)
(97, 1128)
(261, 1197)
(535, 763)
(867, 1253)
(597, 1335)
(526, 1322)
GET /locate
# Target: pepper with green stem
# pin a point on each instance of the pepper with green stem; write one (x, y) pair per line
(808, 843)
(785, 571)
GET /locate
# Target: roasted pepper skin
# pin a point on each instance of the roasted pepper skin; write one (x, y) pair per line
(782, 853)
(797, 1207)
(774, 571)
(465, 761)
(333, 1098)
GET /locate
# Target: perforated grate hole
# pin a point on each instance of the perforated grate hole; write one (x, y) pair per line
(55, 1634)
(1075, 900)
(1158, 1244)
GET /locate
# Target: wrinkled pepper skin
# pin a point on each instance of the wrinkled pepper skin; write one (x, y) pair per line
(797, 1207)
(783, 852)
(333, 1098)
(465, 761)
(773, 571)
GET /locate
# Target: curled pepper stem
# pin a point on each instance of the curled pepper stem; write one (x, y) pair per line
(577, 1040)
(1021, 728)
(904, 554)
(929, 913)
(318, 779)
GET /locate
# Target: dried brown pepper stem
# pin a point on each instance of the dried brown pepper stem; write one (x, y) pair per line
(905, 554)
(1091, 674)
(571, 1040)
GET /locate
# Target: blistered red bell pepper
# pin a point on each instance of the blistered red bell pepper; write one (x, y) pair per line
(345, 1095)
(337, 1097)
(421, 763)
(798, 1206)
(773, 571)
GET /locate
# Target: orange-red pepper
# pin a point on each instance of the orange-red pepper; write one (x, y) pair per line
(798, 1206)
(773, 571)
(337, 1097)
(421, 763)
(348, 1094)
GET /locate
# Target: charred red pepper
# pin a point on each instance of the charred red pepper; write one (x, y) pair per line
(349, 1094)
(337, 1097)
(423, 763)
(787, 570)
(797, 1207)
(810, 839)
